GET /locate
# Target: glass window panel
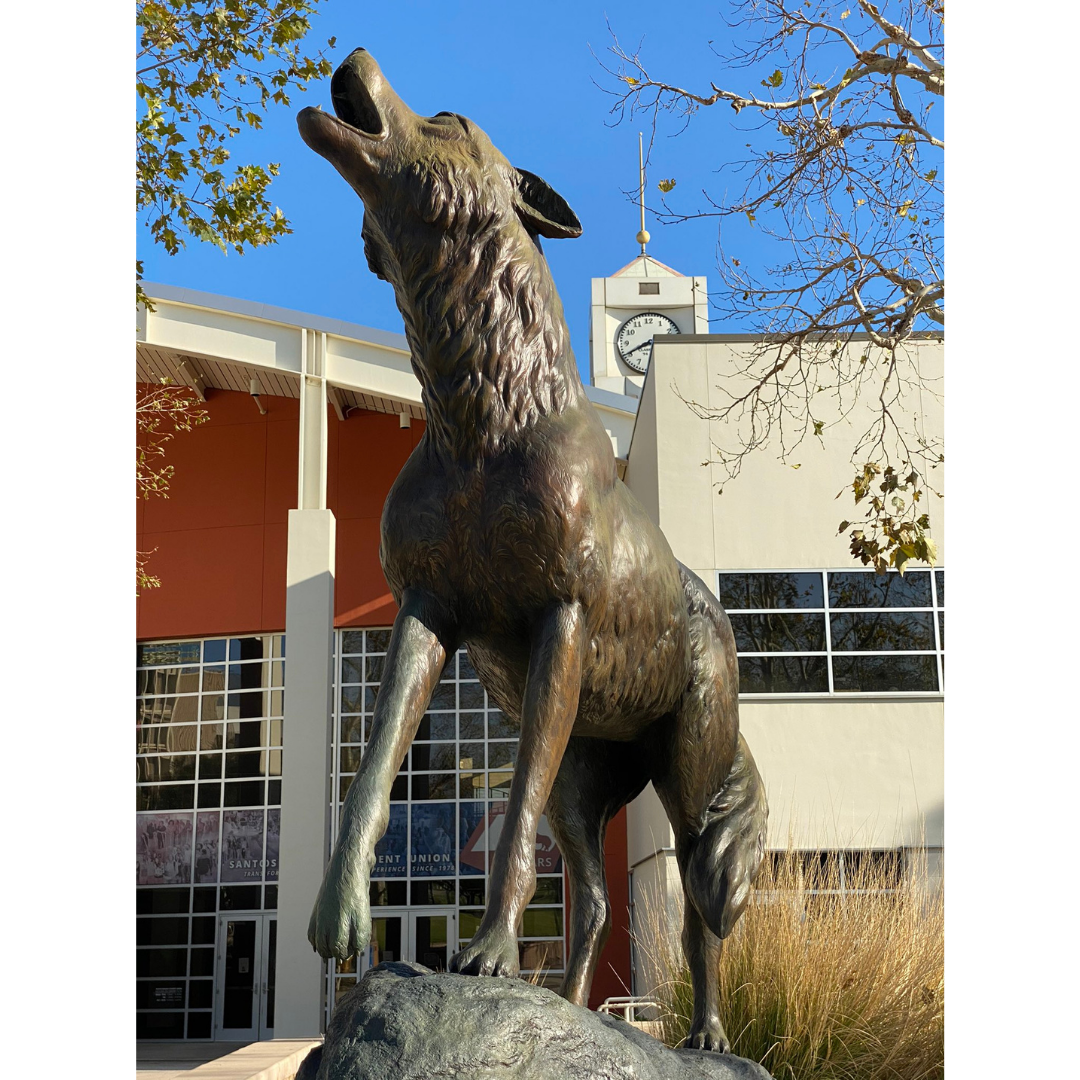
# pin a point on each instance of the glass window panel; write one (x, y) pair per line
(276, 727)
(502, 754)
(499, 784)
(473, 785)
(940, 582)
(162, 681)
(378, 641)
(352, 642)
(399, 789)
(471, 696)
(352, 699)
(273, 759)
(172, 930)
(241, 735)
(242, 845)
(500, 726)
(213, 678)
(210, 766)
(783, 674)
(213, 651)
(202, 962)
(250, 703)
(472, 892)
(343, 986)
(788, 632)
(248, 648)
(198, 1025)
(865, 588)
(941, 627)
(162, 901)
(432, 848)
(209, 795)
(391, 850)
(542, 922)
(882, 630)
(373, 669)
(444, 697)
(388, 894)
(154, 1025)
(352, 729)
(211, 736)
(167, 652)
(273, 793)
(469, 922)
(163, 768)
(244, 793)
(213, 707)
(270, 894)
(203, 930)
(166, 710)
(472, 823)
(250, 764)
(434, 756)
(536, 955)
(204, 900)
(433, 893)
(739, 592)
(434, 786)
(465, 668)
(548, 891)
(471, 725)
(240, 897)
(349, 758)
(201, 994)
(438, 726)
(471, 756)
(160, 962)
(165, 797)
(884, 674)
(207, 827)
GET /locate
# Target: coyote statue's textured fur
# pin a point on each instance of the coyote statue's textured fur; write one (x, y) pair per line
(508, 531)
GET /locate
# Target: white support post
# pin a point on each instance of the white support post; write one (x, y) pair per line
(305, 780)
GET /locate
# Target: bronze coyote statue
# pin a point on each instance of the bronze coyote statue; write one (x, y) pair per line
(509, 532)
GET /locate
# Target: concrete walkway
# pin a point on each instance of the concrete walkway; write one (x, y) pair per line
(277, 1059)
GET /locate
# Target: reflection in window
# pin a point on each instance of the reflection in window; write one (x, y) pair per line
(785, 651)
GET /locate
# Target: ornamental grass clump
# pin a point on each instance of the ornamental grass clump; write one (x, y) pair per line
(836, 970)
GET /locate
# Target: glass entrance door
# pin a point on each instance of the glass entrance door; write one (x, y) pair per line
(247, 948)
(425, 935)
(433, 937)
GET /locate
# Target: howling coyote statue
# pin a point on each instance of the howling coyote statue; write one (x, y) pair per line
(508, 531)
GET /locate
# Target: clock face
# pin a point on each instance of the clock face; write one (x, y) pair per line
(634, 339)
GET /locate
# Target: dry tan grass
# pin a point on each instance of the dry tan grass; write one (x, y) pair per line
(820, 985)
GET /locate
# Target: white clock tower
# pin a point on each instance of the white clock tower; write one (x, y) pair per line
(630, 308)
(642, 299)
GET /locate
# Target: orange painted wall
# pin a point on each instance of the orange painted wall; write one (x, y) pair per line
(218, 541)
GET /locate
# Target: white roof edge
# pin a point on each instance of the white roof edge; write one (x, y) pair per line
(608, 399)
(269, 313)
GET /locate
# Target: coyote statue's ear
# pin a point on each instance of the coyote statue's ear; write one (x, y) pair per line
(544, 210)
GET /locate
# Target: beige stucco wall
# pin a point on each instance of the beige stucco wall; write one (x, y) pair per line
(844, 771)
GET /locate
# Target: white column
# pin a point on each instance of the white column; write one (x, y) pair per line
(305, 779)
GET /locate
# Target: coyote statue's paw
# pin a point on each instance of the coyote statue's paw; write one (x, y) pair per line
(340, 924)
(708, 1034)
(491, 952)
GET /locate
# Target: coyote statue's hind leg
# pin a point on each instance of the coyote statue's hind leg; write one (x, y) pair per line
(712, 793)
(596, 779)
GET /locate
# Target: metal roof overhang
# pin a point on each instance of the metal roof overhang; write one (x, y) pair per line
(205, 341)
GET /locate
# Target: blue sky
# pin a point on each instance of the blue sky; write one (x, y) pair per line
(524, 73)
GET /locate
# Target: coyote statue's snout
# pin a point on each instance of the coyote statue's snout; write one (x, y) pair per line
(508, 531)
